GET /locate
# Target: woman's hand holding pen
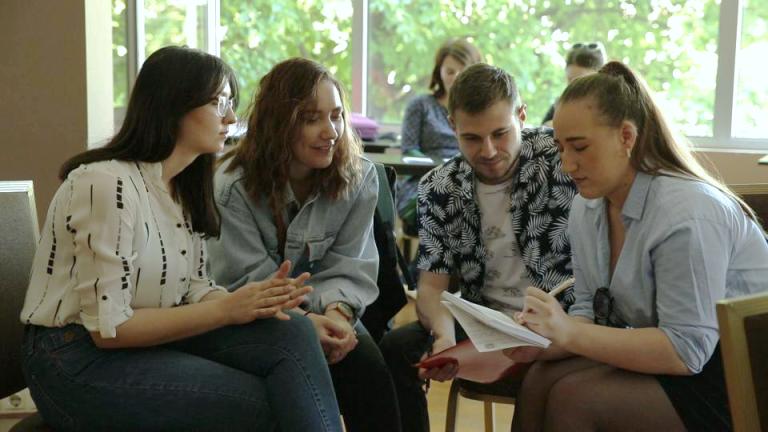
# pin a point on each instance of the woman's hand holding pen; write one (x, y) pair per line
(543, 314)
(266, 299)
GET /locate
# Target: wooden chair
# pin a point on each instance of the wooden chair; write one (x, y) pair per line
(502, 392)
(18, 237)
(744, 344)
(756, 196)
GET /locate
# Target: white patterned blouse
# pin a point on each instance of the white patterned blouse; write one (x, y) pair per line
(114, 240)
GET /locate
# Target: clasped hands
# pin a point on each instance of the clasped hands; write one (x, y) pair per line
(267, 299)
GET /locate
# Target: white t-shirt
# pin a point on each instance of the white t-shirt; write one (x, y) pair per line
(113, 241)
(505, 275)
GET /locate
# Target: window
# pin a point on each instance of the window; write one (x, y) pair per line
(703, 58)
(673, 45)
(257, 34)
(750, 114)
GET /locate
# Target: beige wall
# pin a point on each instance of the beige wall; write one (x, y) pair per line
(43, 88)
(737, 168)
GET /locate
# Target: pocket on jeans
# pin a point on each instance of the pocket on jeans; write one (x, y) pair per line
(76, 353)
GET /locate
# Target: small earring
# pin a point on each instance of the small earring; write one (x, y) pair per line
(629, 153)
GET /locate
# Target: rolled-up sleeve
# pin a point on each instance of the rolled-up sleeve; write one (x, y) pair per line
(239, 255)
(102, 223)
(349, 268)
(690, 275)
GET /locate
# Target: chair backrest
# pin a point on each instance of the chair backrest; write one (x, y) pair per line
(756, 196)
(744, 344)
(18, 240)
(391, 294)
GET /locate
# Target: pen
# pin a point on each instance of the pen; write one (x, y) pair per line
(563, 285)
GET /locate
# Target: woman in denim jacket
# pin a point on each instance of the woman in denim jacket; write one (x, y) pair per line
(296, 188)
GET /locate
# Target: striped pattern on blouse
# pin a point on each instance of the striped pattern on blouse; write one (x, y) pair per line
(113, 241)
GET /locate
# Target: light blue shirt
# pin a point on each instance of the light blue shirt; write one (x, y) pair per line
(686, 246)
(333, 240)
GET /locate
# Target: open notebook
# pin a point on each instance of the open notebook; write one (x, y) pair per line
(480, 358)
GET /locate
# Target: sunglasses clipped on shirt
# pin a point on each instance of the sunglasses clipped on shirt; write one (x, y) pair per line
(602, 306)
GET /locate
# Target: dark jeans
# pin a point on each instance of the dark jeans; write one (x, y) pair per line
(402, 348)
(259, 376)
(364, 388)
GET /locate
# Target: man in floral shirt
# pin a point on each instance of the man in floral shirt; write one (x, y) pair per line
(494, 218)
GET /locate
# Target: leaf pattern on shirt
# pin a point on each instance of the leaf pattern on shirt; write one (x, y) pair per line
(449, 219)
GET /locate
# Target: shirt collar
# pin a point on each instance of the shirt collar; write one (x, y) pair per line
(636, 199)
(153, 172)
(638, 194)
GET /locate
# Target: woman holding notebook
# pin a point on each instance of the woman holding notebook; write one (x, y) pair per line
(656, 242)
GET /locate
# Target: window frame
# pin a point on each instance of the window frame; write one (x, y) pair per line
(729, 35)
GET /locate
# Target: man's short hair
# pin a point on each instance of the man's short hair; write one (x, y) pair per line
(479, 86)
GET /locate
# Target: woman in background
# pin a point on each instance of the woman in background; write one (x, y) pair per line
(426, 130)
(125, 330)
(296, 188)
(582, 59)
(656, 242)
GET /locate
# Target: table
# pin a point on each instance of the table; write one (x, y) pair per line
(402, 167)
(380, 145)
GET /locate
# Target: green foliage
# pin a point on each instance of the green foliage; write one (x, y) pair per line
(261, 33)
(673, 44)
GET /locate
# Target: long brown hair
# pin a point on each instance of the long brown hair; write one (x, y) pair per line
(621, 94)
(172, 82)
(275, 120)
(460, 49)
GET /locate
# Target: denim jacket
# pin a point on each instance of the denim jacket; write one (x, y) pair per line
(333, 240)
(449, 219)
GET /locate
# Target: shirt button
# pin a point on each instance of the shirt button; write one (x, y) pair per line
(183, 279)
(178, 225)
(183, 251)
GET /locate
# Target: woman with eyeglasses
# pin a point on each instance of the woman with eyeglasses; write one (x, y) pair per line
(656, 242)
(582, 59)
(296, 187)
(125, 330)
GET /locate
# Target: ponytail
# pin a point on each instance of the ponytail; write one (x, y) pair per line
(621, 95)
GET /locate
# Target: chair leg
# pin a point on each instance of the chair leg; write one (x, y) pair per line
(489, 412)
(453, 406)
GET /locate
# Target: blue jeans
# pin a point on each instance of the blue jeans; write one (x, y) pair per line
(265, 375)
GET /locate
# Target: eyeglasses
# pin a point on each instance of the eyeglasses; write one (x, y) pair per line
(591, 45)
(225, 104)
(602, 306)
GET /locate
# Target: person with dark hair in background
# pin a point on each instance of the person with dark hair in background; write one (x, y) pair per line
(493, 217)
(297, 188)
(656, 242)
(425, 129)
(125, 330)
(582, 59)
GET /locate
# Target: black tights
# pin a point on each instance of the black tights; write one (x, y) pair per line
(578, 394)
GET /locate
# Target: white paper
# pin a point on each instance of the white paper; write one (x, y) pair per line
(483, 337)
(493, 330)
(418, 160)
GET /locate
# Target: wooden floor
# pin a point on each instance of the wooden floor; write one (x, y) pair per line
(470, 412)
